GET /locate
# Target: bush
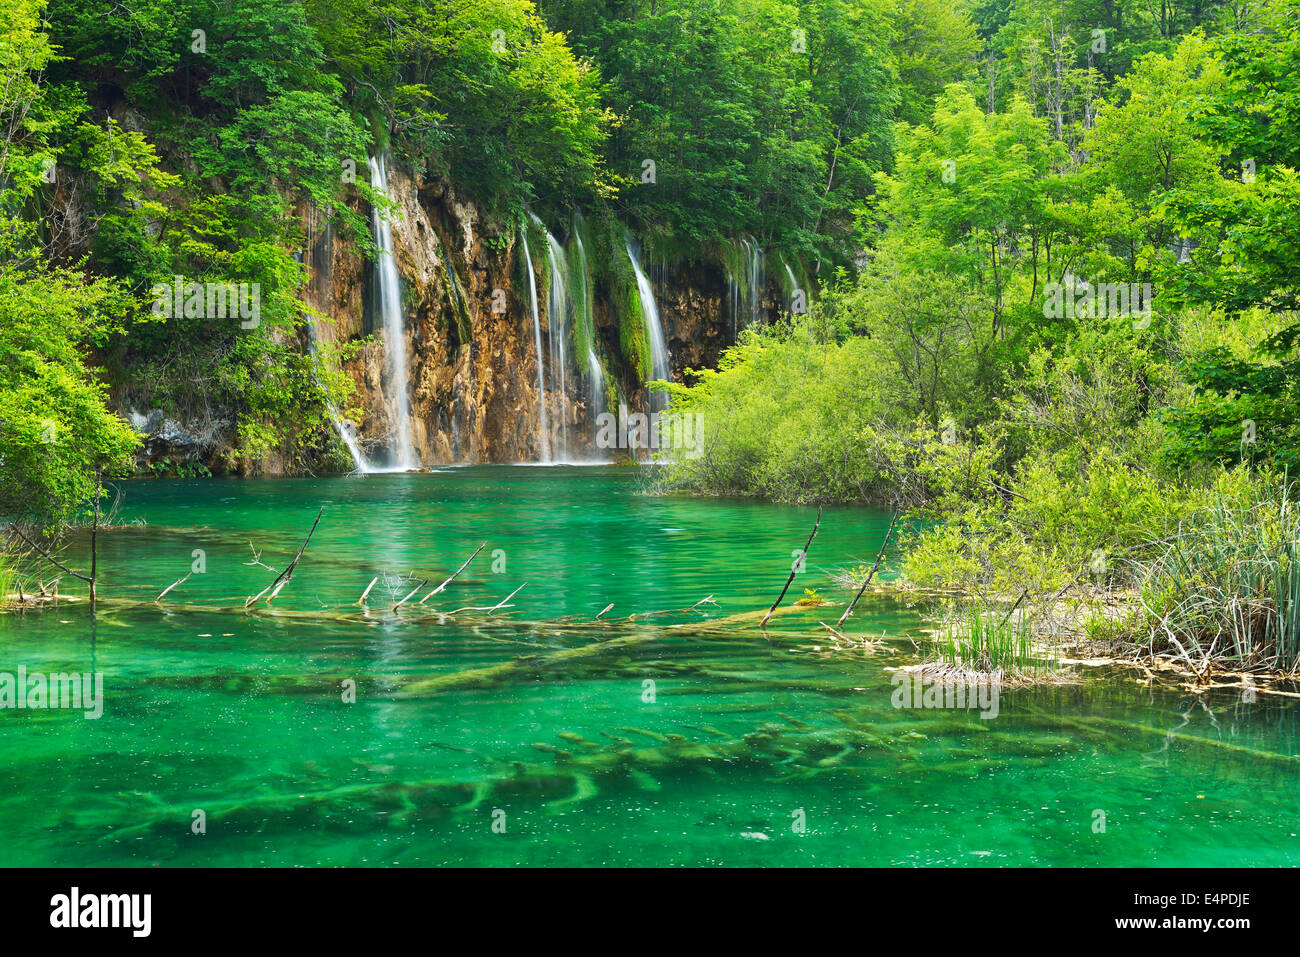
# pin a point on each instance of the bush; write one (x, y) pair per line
(1228, 584)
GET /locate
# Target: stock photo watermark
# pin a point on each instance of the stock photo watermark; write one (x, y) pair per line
(678, 432)
(65, 692)
(918, 690)
(209, 300)
(1075, 298)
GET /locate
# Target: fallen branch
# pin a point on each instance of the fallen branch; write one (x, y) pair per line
(507, 598)
(1023, 593)
(423, 582)
(364, 594)
(179, 581)
(257, 556)
(794, 570)
(453, 574)
(879, 556)
(48, 557)
(284, 576)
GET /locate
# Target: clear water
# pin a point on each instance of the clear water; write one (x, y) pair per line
(241, 715)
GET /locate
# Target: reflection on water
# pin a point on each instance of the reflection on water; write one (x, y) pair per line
(535, 740)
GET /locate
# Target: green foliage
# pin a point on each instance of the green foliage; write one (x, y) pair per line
(56, 436)
(1039, 449)
(166, 468)
(783, 416)
(245, 106)
(1037, 143)
(934, 42)
(811, 599)
(1228, 584)
(759, 115)
(481, 91)
(988, 641)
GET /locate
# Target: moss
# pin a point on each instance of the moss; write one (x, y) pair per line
(611, 393)
(379, 130)
(732, 258)
(632, 334)
(582, 329)
(464, 326)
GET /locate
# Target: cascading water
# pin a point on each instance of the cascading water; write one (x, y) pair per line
(586, 323)
(659, 368)
(755, 275)
(543, 426)
(346, 431)
(348, 435)
(746, 276)
(794, 287)
(389, 307)
(557, 308)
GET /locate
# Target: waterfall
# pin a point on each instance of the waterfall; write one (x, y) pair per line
(389, 306)
(346, 432)
(586, 323)
(794, 285)
(557, 308)
(349, 436)
(755, 275)
(734, 295)
(543, 427)
(746, 277)
(659, 368)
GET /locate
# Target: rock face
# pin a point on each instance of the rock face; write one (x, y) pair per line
(180, 440)
(469, 395)
(471, 346)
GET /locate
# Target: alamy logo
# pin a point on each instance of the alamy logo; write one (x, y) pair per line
(76, 692)
(658, 431)
(1074, 298)
(209, 300)
(918, 690)
(74, 910)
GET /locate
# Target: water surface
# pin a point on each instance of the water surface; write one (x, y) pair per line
(662, 746)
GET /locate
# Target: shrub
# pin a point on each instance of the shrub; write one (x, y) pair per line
(1228, 584)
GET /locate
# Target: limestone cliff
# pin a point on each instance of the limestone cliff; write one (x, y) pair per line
(470, 341)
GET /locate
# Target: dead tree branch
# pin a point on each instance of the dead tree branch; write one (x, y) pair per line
(794, 569)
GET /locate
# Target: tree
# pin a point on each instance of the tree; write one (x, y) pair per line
(934, 44)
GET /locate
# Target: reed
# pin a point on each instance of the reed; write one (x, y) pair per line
(8, 581)
(984, 639)
(1227, 587)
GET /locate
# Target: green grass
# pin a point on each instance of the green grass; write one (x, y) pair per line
(988, 640)
(9, 580)
(1227, 587)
